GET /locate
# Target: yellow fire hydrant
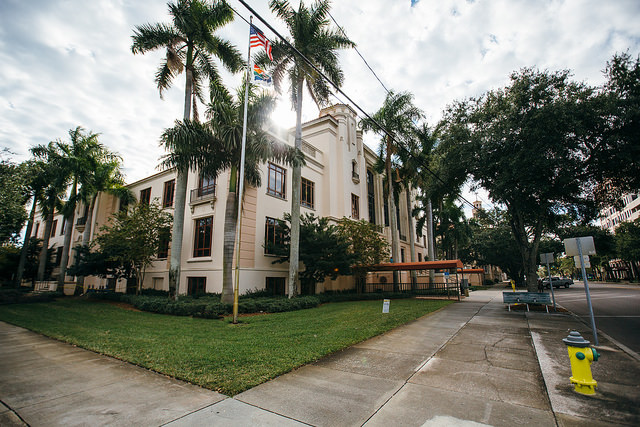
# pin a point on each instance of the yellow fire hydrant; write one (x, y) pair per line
(581, 356)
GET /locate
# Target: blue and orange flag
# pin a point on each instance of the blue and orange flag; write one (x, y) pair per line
(260, 76)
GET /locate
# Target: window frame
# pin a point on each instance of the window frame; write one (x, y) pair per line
(203, 237)
(209, 188)
(355, 207)
(145, 196)
(168, 193)
(195, 282)
(274, 173)
(307, 187)
(271, 224)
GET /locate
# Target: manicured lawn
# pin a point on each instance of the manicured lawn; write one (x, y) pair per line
(215, 353)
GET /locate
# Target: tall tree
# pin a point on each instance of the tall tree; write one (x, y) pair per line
(51, 197)
(78, 158)
(312, 36)
(14, 194)
(190, 45)
(529, 145)
(324, 251)
(106, 177)
(398, 116)
(216, 146)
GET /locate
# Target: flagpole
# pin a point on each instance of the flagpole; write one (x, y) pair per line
(236, 286)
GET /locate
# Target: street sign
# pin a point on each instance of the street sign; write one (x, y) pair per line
(547, 258)
(571, 246)
(585, 259)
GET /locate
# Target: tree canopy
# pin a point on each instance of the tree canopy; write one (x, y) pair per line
(14, 194)
(531, 145)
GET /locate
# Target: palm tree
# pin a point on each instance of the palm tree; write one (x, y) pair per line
(78, 158)
(41, 173)
(398, 116)
(311, 36)
(190, 44)
(50, 199)
(216, 146)
(107, 177)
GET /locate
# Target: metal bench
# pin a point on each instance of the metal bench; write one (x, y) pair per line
(540, 298)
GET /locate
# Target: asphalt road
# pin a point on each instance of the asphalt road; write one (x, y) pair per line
(616, 308)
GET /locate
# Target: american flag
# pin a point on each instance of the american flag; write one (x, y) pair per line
(258, 39)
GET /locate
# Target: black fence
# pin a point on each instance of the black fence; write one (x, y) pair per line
(449, 289)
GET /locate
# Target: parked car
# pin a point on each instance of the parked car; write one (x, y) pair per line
(557, 282)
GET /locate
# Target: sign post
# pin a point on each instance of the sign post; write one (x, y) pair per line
(547, 258)
(581, 246)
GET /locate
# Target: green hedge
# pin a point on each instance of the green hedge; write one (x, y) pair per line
(20, 296)
(210, 307)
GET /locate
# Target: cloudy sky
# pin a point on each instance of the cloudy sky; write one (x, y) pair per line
(68, 62)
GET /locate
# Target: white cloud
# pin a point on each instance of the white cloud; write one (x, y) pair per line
(69, 63)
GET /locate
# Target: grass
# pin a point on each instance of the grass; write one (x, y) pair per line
(215, 353)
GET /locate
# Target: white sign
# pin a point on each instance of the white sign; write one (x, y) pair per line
(571, 246)
(585, 260)
(385, 306)
(547, 258)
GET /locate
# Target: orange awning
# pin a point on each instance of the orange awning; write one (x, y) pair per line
(470, 270)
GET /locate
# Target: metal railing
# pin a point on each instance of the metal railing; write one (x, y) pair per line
(203, 194)
(444, 289)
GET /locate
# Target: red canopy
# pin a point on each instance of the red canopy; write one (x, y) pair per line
(406, 266)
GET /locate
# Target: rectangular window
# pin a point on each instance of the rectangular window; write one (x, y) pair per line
(58, 255)
(35, 233)
(145, 196)
(54, 225)
(386, 212)
(371, 200)
(355, 206)
(275, 285)
(197, 285)
(167, 194)
(419, 257)
(401, 255)
(272, 235)
(163, 246)
(206, 185)
(277, 181)
(64, 223)
(307, 193)
(202, 241)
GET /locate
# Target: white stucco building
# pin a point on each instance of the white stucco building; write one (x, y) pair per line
(338, 181)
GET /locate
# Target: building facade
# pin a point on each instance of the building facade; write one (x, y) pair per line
(338, 181)
(630, 211)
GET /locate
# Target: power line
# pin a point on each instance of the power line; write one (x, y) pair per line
(359, 54)
(337, 88)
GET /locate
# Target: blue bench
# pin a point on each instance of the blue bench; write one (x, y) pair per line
(539, 298)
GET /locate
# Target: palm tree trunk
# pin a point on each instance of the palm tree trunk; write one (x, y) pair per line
(430, 241)
(230, 222)
(395, 244)
(44, 253)
(180, 197)
(412, 231)
(86, 235)
(67, 239)
(294, 253)
(27, 238)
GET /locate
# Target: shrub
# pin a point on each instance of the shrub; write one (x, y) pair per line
(19, 296)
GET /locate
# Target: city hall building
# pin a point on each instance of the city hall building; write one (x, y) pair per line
(337, 181)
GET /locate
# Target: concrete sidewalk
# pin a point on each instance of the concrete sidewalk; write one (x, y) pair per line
(472, 362)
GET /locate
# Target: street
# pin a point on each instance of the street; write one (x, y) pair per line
(616, 308)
